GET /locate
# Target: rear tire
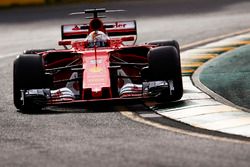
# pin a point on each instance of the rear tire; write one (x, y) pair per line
(28, 73)
(114, 83)
(164, 65)
(166, 43)
(35, 51)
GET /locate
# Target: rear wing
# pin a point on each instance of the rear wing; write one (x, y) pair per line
(113, 29)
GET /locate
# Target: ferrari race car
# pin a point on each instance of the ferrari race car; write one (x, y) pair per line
(99, 62)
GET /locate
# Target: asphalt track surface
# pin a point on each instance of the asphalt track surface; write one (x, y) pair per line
(104, 137)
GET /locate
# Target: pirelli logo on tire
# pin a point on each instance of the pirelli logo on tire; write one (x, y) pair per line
(5, 3)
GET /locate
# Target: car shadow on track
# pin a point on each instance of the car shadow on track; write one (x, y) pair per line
(170, 105)
(61, 110)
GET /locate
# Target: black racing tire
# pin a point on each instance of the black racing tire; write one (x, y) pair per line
(164, 64)
(28, 73)
(35, 51)
(173, 43)
(114, 83)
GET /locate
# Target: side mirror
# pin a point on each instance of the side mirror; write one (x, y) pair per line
(64, 43)
(130, 38)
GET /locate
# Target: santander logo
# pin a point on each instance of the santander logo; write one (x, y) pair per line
(76, 28)
(120, 25)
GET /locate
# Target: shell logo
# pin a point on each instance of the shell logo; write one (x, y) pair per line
(95, 69)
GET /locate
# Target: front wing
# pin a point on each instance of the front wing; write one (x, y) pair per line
(64, 97)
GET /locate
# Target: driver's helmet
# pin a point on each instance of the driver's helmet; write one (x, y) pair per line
(98, 39)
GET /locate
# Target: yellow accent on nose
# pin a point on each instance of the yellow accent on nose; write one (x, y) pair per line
(96, 69)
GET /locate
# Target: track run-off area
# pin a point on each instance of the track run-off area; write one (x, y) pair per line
(105, 137)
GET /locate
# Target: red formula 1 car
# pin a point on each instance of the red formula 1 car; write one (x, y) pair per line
(97, 65)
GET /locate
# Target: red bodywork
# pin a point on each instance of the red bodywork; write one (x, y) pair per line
(96, 76)
(94, 64)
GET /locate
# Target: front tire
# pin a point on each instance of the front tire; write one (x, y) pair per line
(164, 65)
(28, 73)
